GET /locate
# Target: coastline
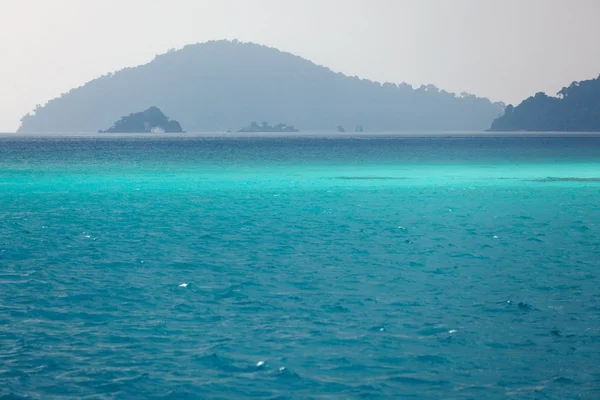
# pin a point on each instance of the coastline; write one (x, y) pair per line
(306, 134)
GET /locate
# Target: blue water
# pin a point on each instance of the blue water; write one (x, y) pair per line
(323, 268)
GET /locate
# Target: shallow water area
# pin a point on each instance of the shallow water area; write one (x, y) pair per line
(310, 266)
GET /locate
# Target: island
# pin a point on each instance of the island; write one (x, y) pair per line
(246, 81)
(265, 127)
(575, 108)
(150, 121)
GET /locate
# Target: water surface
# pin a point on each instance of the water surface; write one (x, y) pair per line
(352, 267)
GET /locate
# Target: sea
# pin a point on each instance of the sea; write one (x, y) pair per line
(329, 266)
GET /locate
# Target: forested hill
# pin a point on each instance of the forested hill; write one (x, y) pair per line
(222, 85)
(576, 108)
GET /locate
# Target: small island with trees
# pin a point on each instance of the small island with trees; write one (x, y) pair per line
(265, 127)
(575, 108)
(150, 121)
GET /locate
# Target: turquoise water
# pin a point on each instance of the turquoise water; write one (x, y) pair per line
(323, 268)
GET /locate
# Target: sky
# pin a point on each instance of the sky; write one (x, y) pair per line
(506, 50)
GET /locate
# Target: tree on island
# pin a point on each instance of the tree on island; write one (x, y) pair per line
(576, 108)
(151, 120)
(265, 127)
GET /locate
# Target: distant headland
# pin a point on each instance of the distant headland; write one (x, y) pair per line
(265, 127)
(219, 84)
(151, 120)
(576, 108)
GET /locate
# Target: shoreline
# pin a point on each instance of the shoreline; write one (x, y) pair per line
(298, 135)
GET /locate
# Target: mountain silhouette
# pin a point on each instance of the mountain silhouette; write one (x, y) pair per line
(221, 85)
(576, 108)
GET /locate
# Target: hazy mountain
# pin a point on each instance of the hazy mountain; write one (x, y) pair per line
(576, 108)
(222, 85)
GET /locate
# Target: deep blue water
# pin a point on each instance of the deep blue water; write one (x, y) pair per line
(389, 267)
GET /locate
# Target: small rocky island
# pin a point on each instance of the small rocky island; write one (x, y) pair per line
(150, 121)
(265, 127)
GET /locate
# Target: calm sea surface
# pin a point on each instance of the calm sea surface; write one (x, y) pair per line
(305, 267)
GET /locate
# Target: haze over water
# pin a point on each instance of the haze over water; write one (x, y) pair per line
(300, 267)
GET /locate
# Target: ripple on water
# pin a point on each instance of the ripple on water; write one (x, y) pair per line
(369, 178)
(566, 179)
(304, 281)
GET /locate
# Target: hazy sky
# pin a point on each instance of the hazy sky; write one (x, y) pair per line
(502, 49)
